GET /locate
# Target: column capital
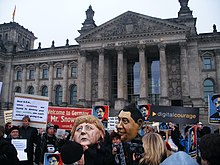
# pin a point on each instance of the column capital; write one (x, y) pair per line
(141, 47)
(161, 46)
(182, 44)
(101, 51)
(83, 53)
(119, 49)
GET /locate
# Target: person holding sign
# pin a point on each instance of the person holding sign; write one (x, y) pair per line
(31, 134)
(8, 153)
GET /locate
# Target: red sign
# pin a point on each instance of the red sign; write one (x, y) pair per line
(64, 117)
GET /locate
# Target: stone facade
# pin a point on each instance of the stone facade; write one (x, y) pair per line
(102, 65)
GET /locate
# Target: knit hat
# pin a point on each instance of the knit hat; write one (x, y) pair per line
(49, 125)
(14, 128)
(71, 152)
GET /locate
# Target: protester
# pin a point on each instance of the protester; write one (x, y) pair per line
(7, 129)
(154, 149)
(14, 133)
(31, 134)
(89, 132)
(8, 153)
(209, 147)
(120, 150)
(48, 142)
(130, 121)
(176, 137)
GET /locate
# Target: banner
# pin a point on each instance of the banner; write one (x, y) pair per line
(64, 116)
(214, 108)
(174, 114)
(34, 106)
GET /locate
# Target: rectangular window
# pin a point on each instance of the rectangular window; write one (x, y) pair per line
(31, 74)
(207, 63)
(74, 72)
(59, 73)
(18, 76)
(44, 73)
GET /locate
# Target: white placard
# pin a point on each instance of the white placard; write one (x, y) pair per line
(20, 145)
(36, 107)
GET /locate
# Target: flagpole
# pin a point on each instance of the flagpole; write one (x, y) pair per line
(13, 14)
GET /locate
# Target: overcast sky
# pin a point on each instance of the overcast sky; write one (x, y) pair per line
(60, 19)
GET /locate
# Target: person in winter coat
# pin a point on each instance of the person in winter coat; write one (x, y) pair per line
(8, 153)
(89, 132)
(33, 139)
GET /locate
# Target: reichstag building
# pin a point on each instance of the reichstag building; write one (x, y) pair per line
(132, 57)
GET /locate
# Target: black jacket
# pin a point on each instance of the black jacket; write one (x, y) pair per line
(8, 153)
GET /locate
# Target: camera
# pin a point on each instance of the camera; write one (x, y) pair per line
(137, 149)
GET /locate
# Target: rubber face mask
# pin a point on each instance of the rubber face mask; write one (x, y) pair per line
(126, 126)
(87, 134)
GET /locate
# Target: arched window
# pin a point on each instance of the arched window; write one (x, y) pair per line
(73, 94)
(58, 95)
(31, 90)
(18, 89)
(208, 88)
(44, 91)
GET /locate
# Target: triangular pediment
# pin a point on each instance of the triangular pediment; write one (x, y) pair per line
(131, 24)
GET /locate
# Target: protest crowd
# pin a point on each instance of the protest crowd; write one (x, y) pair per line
(133, 142)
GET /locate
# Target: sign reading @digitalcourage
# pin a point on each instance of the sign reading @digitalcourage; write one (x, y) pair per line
(174, 114)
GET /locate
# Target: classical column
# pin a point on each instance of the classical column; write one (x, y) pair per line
(37, 79)
(82, 77)
(163, 76)
(24, 78)
(217, 63)
(125, 78)
(101, 76)
(88, 93)
(120, 74)
(65, 82)
(7, 83)
(50, 87)
(11, 88)
(184, 72)
(143, 74)
(119, 103)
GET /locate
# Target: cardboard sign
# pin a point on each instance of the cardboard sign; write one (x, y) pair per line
(102, 113)
(214, 108)
(34, 106)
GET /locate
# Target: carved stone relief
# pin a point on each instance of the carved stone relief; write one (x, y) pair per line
(174, 78)
(95, 78)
